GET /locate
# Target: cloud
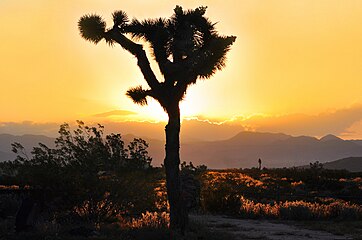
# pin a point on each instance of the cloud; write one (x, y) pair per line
(199, 128)
(338, 122)
(28, 127)
(115, 113)
(346, 123)
(354, 131)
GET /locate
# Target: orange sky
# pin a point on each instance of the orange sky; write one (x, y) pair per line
(292, 61)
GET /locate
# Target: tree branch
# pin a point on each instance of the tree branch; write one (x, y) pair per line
(136, 50)
(181, 86)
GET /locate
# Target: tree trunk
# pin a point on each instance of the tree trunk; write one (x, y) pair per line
(178, 213)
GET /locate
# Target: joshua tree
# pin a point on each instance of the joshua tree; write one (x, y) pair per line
(186, 47)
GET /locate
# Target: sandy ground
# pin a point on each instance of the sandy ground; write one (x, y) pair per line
(261, 229)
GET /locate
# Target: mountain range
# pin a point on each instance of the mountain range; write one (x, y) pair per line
(241, 151)
(274, 149)
(353, 164)
(28, 141)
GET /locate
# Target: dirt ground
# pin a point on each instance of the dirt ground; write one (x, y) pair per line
(244, 229)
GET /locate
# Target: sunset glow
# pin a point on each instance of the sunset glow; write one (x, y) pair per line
(293, 61)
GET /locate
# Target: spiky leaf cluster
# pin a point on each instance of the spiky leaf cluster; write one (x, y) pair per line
(120, 19)
(188, 38)
(212, 57)
(155, 32)
(138, 95)
(92, 28)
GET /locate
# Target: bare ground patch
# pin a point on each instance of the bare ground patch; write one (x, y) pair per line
(245, 229)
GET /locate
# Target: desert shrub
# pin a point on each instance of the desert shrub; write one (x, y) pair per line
(190, 168)
(301, 210)
(215, 195)
(150, 220)
(251, 209)
(138, 155)
(278, 193)
(344, 211)
(297, 210)
(88, 176)
(221, 191)
(9, 204)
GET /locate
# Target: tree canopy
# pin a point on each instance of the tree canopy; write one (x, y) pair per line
(186, 47)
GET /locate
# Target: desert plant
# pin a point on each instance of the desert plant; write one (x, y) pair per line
(186, 48)
(9, 204)
(280, 194)
(92, 177)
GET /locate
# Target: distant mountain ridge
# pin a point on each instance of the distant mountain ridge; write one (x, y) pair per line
(6, 156)
(257, 137)
(242, 150)
(359, 142)
(28, 141)
(352, 164)
(275, 150)
(330, 137)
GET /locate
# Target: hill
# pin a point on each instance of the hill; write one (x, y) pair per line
(28, 141)
(241, 151)
(352, 164)
(275, 150)
(6, 156)
(330, 137)
(359, 142)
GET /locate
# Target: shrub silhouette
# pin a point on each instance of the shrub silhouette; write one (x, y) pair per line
(91, 176)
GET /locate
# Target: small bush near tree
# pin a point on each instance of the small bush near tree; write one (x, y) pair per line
(87, 176)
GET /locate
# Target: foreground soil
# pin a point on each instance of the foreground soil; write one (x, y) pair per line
(246, 229)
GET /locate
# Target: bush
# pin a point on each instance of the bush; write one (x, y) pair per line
(280, 194)
(9, 204)
(88, 176)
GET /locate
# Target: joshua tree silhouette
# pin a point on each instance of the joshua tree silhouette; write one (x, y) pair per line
(186, 47)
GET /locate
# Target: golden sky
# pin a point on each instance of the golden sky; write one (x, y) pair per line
(291, 59)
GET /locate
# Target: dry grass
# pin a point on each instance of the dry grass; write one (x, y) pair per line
(257, 194)
(301, 210)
